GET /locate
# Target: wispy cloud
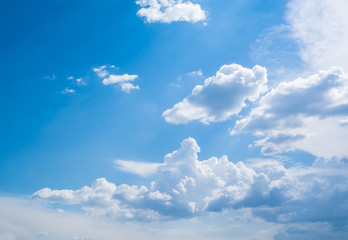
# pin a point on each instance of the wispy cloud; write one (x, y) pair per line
(143, 169)
(196, 73)
(68, 91)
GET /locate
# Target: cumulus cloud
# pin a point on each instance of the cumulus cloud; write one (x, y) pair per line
(294, 115)
(167, 11)
(221, 96)
(186, 187)
(106, 73)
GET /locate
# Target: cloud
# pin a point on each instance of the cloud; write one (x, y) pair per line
(51, 77)
(167, 11)
(106, 73)
(143, 169)
(196, 73)
(321, 30)
(23, 219)
(186, 187)
(67, 91)
(221, 96)
(305, 114)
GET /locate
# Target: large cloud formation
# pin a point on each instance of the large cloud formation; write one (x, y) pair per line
(186, 187)
(167, 11)
(295, 113)
(221, 96)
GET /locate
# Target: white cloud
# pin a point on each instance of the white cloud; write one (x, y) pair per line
(186, 187)
(305, 114)
(128, 87)
(106, 73)
(167, 11)
(143, 169)
(196, 73)
(112, 79)
(67, 91)
(221, 96)
(321, 29)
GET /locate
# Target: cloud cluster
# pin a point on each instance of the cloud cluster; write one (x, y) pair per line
(221, 96)
(186, 187)
(295, 113)
(106, 73)
(167, 11)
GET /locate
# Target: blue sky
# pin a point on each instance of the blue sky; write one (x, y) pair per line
(231, 116)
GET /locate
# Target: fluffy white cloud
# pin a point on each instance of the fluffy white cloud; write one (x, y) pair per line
(321, 29)
(109, 78)
(221, 96)
(186, 187)
(167, 11)
(295, 113)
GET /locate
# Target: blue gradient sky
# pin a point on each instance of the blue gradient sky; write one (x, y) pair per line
(54, 138)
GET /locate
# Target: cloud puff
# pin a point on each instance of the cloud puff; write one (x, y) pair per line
(106, 73)
(221, 96)
(167, 11)
(292, 115)
(186, 187)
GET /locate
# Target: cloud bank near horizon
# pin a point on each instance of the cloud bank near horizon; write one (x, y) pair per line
(185, 187)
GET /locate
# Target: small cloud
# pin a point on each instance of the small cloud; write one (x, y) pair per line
(80, 81)
(112, 79)
(128, 87)
(107, 73)
(50, 77)
(70, 78)
(170, 11)
(67, 91)
(196, 73)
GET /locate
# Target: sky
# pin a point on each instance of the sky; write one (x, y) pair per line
(176, 119)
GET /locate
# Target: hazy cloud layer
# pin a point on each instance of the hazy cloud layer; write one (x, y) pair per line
(186, 187)
(138, 168)
(221, 96)
(321, 29)
(167, 11)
